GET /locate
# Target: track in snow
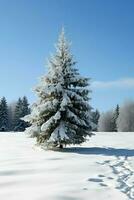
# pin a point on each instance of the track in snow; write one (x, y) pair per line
(124, 175)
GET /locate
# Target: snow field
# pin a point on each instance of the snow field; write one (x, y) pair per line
(100, 169)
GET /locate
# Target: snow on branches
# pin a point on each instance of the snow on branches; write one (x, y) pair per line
(62, 113)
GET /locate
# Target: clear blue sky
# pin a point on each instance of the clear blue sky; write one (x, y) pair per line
(102, 35)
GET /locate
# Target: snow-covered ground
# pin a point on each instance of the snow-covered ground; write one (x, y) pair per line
(101, 169)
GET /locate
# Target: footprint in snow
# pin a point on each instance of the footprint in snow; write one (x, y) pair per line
(123, 172)
(101, 175)
(97, 180)
(107, 161)
(110, 178)
(103, 185)
(85, 189)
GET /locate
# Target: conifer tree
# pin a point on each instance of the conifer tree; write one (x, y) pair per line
(115, 117)
(25, 105)
(25, 111)
(21, 110)
(62, 114)
(18, 115)
(3, 115)
(95, 119)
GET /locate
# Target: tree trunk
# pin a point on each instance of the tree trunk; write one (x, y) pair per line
(61, 146)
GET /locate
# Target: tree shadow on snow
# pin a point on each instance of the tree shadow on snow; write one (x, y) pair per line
(100, 151)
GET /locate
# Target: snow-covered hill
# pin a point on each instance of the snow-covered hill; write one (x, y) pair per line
(101, 169)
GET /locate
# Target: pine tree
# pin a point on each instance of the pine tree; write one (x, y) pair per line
(25, 111)
(115, 117)
(117, 111)
(3, 115)
(62, 114)
(95, 119)
(21, 110)
(17, 115)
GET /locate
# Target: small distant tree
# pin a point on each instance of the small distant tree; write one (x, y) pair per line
(25, 111)
(62, 114)
(95, 119)
(21, 110)
(125, 121)
(115, 117)
(3, 115)
(17, 116)
(106, 122)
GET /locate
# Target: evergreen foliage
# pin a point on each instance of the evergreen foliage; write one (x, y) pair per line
(3, 115)
(21, 110)
(115, 117)
(62, 114)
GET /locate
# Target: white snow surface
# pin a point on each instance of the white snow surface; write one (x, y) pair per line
(100, 169)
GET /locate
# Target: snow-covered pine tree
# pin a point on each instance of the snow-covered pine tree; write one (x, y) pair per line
(95, 119)
(17, 115)
(115, 117)
(117, 111)
(3, 115)
(62, 113)
(25, 111)
(25, 105)
(21, 110)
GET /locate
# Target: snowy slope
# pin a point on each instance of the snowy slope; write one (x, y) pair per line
(101, 169)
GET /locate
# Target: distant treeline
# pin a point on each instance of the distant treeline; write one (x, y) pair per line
(120, 119)
(11, 114)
